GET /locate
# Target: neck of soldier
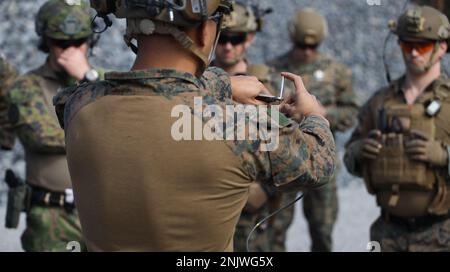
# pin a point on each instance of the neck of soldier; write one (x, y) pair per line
(164, 52)
(240, 68)
(416, 83)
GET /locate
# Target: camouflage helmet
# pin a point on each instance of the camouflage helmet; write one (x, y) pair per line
(166, 17)
(180, 13)
(242, 19)
(422, 22)
(64, 20)
(308, 27)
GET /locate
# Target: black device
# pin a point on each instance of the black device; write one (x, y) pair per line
(270, 98)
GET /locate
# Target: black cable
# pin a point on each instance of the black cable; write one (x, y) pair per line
(268, 217)
(386, 67)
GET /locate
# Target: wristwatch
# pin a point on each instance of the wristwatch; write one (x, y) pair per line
(91, 76)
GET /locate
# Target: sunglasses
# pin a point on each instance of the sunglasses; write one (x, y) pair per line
(64, 44)
(306, 46)
(234, 39)
(420, 47)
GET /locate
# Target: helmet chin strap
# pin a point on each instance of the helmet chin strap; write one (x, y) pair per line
(432, 62)
(148, 27)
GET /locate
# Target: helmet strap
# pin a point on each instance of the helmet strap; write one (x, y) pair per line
(137, 27)
(432, 62)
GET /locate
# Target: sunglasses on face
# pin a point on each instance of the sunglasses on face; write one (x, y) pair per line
(234, 39)
(420, 47)
(306, 46)
(64, 44)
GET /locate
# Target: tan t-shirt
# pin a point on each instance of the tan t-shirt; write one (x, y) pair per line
(138, 189)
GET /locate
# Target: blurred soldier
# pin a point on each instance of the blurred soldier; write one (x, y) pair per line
(7, 75)
(231, 51)
(331, 83)
(402, 143)
(140, 187)
(65, 33)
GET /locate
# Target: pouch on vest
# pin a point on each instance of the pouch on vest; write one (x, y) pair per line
(393, 170)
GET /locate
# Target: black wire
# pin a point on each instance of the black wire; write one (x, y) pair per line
(106, 20)
(386, 67)
(268, 217)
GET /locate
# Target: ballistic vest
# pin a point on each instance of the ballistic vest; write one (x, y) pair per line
(405, 187)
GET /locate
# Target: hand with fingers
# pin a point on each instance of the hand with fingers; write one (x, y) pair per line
(301, 102)
(422, 148)
(371, 146)
(246, 88)
(75, 62)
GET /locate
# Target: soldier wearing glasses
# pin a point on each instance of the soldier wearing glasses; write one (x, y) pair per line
(402, 143)
(65, 35)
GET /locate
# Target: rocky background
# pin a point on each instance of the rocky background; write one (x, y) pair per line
(357, 29)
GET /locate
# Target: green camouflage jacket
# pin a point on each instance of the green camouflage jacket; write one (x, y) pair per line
(31, 113)
(7, 75)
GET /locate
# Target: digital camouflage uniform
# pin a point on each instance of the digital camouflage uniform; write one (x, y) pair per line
(259, 241)
(33, 120)
(331, 83)
(51, 223)
(413, 193)
(244, 21)
(7, 75)
(143, 179)
(203, 195)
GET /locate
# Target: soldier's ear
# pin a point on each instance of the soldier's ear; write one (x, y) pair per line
(206, 34)
(249, 40)
(444, 46)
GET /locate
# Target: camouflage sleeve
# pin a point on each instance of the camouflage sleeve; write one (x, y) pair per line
(303, 158)
(342, 115)
(7, 75)
(60, 100)
(31, 119)
(217, 82)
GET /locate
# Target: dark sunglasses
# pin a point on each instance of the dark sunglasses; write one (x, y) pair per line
(306, 46)
(64, 44)
(234, 39)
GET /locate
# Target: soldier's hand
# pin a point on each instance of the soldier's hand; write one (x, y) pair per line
(246, 88)
(75, 62)
(371, 146)
(302, 102)
(424, 149)
(323, 110)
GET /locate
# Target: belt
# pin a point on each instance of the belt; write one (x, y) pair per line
(44, 197)
(414, 223)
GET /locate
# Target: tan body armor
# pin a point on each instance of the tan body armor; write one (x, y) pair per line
(405, 187)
